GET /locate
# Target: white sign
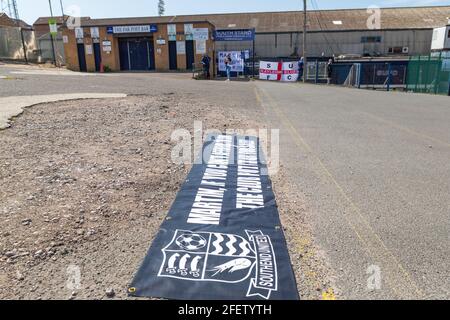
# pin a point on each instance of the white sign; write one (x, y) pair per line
(189, 31)
(79, 33)
(161, 41)
(269, 71)
(65, 39)
(107, 47)
(237, 64)
(290, 71)
(89, 49)
(278, 71)
(172, 29)
(201, 34)
(200, 46)
(53, 28)
(181, 47)
(95, 33)
(132, 29)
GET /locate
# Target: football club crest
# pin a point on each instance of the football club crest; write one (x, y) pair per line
(226, 258)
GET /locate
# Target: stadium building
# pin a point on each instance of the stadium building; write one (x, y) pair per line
(176, 42)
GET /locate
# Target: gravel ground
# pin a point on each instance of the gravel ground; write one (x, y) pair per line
(86, 187)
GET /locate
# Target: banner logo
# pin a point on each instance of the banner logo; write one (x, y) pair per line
(226, 258)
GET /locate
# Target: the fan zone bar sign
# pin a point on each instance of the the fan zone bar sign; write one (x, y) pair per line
(223, 238)
(132, 29)
(235, 35)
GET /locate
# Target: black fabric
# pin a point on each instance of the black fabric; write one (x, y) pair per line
(241, 256)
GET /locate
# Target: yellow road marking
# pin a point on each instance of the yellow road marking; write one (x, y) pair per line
(329, 295)
(398, 278)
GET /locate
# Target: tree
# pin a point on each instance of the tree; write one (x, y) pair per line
(161, 7)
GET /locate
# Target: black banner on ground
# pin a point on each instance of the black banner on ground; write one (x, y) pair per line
(222, 239)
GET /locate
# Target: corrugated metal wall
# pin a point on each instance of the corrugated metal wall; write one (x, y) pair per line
(329, 43)
(46, 49)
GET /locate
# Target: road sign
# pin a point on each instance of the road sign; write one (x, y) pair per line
(52, 23)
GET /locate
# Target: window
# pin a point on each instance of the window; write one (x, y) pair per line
(373, 39)
(396, 50)
(448, 36)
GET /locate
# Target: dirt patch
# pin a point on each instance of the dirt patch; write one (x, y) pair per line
(315, 279)
(85, 188)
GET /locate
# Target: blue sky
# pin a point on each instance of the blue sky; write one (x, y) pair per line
(30, 10)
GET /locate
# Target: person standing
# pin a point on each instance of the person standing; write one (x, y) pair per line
(206, 62)
(228, 61)
(301, 68)
(329, 71)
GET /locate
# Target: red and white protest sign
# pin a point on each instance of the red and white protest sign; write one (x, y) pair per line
(290, 71)
(278, 71)
(270, 71)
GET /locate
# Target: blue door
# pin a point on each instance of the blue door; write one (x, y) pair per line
(97, 56)
(139, 55)
(190, 54)
(81, 57)
(136, 54)
(173, 55)
(123, 54)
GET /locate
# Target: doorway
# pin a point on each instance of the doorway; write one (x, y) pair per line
(81, 57)
(173, 65)
(136, 54)
(190, 54)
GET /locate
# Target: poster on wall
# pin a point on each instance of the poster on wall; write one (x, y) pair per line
(278, 71)
(189, 31)
(107, 46)
(200, 34)
(95, 33)
(200, 46)
(181, 47)
(89, 49)
(237, 64)
(79, 33)
(172, 32)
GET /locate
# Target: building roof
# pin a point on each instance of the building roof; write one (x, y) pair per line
(59, 20)
(292, 21)
(6, 21)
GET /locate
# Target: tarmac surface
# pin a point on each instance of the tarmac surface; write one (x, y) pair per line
(372, 168)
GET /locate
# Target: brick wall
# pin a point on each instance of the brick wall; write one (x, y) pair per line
(112, 60)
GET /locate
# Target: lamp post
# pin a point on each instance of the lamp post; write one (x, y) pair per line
(51, 35)
(305, 29)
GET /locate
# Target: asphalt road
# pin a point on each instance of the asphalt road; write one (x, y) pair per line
(375, 173)
(372, 167)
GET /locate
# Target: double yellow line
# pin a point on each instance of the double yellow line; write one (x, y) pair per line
(393, 273)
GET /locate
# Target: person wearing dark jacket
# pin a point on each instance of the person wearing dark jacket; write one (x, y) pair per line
(301, 68)
(329, 71)
(206, 62)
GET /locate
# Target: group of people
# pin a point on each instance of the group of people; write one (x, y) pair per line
(206, 62)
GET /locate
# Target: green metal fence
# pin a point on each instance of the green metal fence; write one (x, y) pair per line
(429, 74)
